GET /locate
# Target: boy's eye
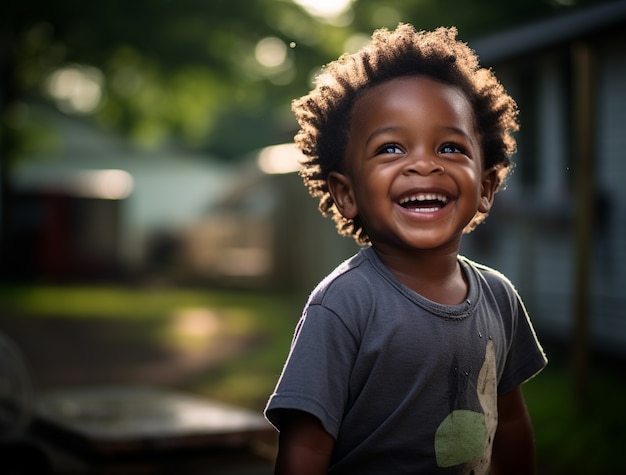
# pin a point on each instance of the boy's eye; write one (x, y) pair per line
(390, 148)
(451, 148)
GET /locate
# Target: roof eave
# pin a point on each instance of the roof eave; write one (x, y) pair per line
(550, 32)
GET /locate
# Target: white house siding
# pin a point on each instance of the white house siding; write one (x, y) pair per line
(552, 130)
(609, 302)
(554, 249)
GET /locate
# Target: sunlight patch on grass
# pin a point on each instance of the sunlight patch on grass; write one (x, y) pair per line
(193, 327)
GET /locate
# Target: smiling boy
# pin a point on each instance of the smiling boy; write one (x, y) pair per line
(408, 358)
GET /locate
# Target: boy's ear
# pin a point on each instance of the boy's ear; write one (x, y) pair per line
(489, 186)
(340, 188)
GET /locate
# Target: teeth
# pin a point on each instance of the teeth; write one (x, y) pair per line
(425, 197)
(425, 210)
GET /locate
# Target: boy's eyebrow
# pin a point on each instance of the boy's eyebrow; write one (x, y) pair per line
(460, 131)
(381, 131)
(392, 128)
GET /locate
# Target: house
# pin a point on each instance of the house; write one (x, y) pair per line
(95, 207)
(559, 230)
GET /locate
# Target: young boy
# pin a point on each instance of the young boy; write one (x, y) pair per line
(408, 358)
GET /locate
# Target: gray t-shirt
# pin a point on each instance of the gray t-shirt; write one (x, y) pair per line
(403, 384)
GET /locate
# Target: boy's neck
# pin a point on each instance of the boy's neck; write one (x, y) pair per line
(436, 276)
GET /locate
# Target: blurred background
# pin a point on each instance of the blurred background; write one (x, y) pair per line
(154, 230)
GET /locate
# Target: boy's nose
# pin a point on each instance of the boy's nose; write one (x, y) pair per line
(423, 164)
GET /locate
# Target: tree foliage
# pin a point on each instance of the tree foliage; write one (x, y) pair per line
(188, 71)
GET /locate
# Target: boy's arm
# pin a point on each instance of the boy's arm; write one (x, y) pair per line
(514, 445)
(304, 447)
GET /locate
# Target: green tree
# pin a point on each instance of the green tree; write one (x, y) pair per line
(190, 69)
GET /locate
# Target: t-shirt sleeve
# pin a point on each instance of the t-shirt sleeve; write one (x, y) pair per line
(317, 369)
(525, 356)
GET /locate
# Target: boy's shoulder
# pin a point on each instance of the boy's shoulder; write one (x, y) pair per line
(490, 278)
(484, 270)
(354, 277)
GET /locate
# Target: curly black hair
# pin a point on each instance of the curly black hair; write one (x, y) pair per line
(324, 113)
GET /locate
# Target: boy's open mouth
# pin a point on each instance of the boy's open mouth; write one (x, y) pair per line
(424, 202)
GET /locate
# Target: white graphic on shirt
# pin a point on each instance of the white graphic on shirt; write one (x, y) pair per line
(466, 436)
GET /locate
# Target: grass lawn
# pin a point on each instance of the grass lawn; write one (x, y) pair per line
(264, 322)
(571, 439)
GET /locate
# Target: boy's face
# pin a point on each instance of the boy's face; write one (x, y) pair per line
(413, 169)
